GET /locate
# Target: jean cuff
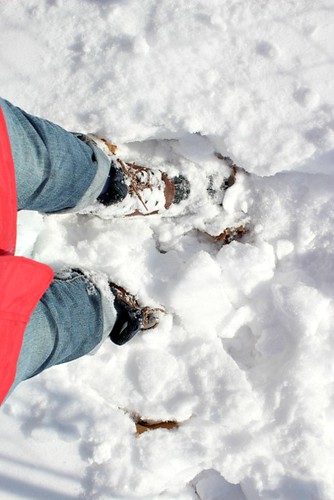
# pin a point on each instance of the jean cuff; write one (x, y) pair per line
(103, 168)
(101, 282)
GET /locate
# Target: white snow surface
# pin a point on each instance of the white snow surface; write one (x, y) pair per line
(244, 357)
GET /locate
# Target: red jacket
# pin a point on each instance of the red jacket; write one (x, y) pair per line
(22, 281)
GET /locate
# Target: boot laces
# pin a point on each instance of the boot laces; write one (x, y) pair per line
(139, 179)
(150, 314)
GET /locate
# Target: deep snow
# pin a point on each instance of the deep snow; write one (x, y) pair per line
(244, 357)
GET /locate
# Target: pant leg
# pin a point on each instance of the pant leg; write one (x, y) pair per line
(69, 321)
(55, 170)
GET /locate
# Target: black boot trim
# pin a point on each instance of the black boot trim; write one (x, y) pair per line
(115, 189)
(128, 322)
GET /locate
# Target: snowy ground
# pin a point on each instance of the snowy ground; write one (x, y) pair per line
(244, 358)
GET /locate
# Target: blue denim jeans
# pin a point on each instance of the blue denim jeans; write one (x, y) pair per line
(56, 171)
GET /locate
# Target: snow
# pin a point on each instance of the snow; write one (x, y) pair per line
(243, 359)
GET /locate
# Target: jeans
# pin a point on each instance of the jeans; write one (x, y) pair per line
(56, 171)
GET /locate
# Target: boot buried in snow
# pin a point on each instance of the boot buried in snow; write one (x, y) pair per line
(132, 189)
(142, 191)
(138, 190)
(131, 317)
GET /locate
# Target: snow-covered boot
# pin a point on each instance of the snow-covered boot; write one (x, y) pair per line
(132, 189)
(138, 190)
(131, 317)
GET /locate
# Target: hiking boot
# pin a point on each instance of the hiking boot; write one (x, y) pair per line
(131, 317)
(142, 190)
(138, 190)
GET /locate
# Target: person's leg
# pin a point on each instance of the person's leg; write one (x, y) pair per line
(59, 171)
(68, 322)
(55, 170)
